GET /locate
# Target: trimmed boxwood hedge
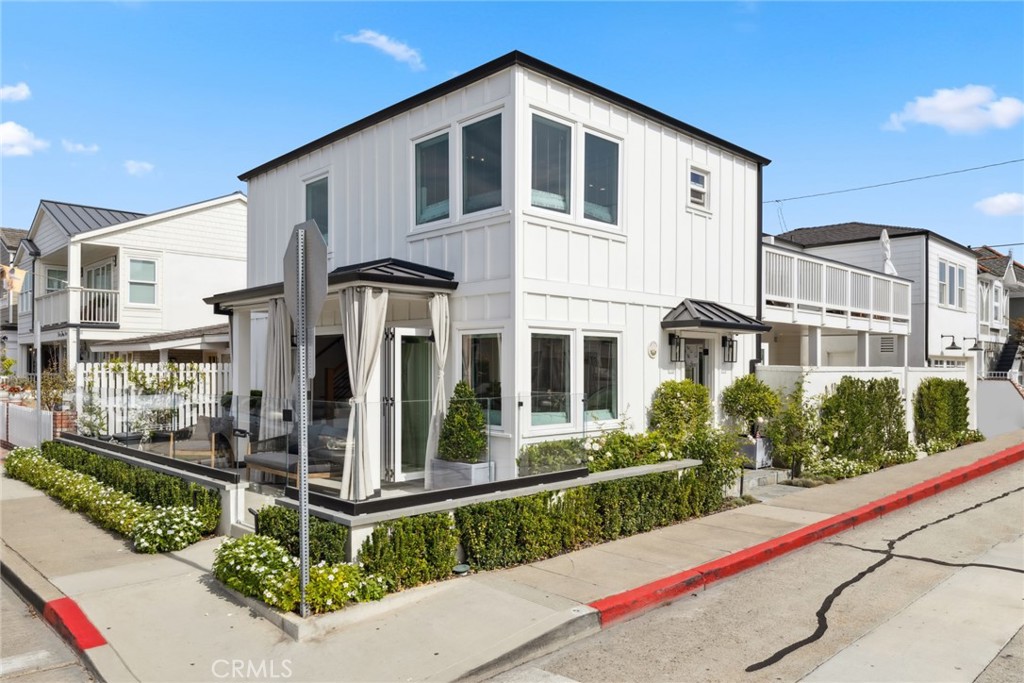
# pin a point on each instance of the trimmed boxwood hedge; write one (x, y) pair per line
(413, 550)
(143, 484)
(327, 540)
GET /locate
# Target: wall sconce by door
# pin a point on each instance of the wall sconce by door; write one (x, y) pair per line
(675, 348)
(952, 342)
(728, 349)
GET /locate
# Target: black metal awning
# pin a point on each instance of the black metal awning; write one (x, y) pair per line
(695, 313)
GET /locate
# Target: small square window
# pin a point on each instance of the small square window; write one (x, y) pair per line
(56, 279)
(698, 188)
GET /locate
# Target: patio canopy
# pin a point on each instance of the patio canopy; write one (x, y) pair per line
(695, 313)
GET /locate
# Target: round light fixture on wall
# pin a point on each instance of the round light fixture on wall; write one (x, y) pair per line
(652, 349)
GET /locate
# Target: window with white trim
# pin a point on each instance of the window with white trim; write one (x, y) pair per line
(997, 300)
(316, 205)
(481, 369)
(56, 279)
(600, 179)
(432, 184)
(552, 157)
(481, 165)
(549, 378)
(952, 284)
(141, 281)
(699, 187)
(984, 301)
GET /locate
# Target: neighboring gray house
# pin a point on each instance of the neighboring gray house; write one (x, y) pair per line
(1000, 302)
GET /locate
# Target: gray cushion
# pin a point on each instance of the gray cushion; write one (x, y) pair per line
(286, 462)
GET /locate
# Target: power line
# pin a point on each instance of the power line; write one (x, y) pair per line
(895, 182)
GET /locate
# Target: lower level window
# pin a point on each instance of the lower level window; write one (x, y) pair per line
(601, 378)
(481, 361)
(549, 373)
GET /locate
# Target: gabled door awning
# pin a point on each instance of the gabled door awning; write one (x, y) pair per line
(695, 313)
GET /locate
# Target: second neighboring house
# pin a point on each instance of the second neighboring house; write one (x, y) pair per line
(943, 289)
(1000, 301)
(101, 275)
(10, 239)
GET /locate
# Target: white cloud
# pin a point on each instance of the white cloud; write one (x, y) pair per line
(15, 93)
(18, 141)
(79, 148)
(1005, 204)
(969, 109)
(398, 50)
(138, 168)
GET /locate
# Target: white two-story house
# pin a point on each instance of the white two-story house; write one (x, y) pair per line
(561, 247)
(942, 278)
(100, 275)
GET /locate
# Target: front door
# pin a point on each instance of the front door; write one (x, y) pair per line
(408, 390)
(695, 358)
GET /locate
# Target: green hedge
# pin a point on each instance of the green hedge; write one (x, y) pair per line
(413, 550)
(327, 540)
(863, 420)
(519, 530)
(144, 485)
(680, 407)
(940, 410)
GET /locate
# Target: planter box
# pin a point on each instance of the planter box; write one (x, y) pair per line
(448, 475)
(757, 454)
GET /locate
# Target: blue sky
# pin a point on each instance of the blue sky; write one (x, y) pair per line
(146, 106)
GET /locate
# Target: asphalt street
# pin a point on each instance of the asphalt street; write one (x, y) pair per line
(934, 592)
(30, 652)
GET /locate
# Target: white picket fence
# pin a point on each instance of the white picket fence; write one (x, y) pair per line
(19, 424)
(121, 403)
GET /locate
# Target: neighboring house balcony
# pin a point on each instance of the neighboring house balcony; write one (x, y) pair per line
(94, 306)
(807, 290)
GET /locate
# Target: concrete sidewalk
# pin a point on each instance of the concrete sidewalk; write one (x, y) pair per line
(164, 618)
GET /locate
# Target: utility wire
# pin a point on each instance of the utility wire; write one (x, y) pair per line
(895, 182)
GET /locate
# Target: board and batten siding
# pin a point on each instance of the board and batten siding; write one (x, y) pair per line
(370, 188)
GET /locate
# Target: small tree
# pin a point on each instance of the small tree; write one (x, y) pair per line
(794, 431)
(680, 408)
(463, 438)
(748, 401)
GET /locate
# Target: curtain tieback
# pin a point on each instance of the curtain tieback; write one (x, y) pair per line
(354, 401)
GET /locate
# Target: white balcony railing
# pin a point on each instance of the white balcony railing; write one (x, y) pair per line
(804, 288)
(97, 306)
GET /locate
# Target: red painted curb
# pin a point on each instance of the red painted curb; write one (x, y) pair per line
(67, 617)
(631, 602)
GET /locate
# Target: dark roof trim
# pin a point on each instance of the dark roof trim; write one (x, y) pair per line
(710, 315)
(387, 271)
(490, 68)
(914, 232)
(31, 248)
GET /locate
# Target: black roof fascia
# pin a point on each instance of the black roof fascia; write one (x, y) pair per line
(31, 248)
(738, 321)
(714, 324)
(509, 60)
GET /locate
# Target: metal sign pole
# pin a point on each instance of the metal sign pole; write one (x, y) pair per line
(39, 381)
(303, 422)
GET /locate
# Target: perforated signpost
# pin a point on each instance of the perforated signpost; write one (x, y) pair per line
(305, 288)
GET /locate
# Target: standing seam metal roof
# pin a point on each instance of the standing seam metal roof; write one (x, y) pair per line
(75, 219)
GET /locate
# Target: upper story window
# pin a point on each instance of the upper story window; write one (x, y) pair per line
(551, 159)
(600, 179)
(997, 308)
(141, 281)
(952, 284)
(316, 204)
(481, 165)
(698, 188)
(56, 279)
(432, 179)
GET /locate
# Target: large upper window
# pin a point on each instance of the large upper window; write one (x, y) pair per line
(481, 165)
(549, 373)
(432, 179)
(141, 281)
(56, 279)
(601, 179)
(481, 368)
(316, 204)
(601, 377)
(551, 159)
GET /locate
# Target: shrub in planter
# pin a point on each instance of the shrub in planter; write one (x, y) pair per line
(167, 529)
(794, 430)
(680, 408)
(551, 456)
(463, 437)
(864, 419)
(258, 566)
(332, 586)
(749, 402)
(327, 540)
(412, 550)
(940, 410)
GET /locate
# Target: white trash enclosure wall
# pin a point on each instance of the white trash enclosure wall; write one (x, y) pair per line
(19, 424)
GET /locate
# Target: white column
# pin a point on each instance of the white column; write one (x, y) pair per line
(164, 354)
(74, 290)
(813, 347)
(862, 349)
(241, 380)
(901, 351)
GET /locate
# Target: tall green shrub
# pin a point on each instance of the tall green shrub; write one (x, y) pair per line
(940, 410)
(463, 438)
(680, 408)
(748, 401)
(793, 433)
(863, 420)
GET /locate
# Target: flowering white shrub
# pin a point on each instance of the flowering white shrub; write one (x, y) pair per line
(168, 528)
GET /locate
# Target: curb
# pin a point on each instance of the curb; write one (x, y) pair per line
(632, 602)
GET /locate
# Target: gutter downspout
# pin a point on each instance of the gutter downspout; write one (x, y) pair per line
(927, 291)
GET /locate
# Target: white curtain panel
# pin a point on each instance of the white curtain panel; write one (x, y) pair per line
(277, 386)
(363, 311)
(440, 322)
